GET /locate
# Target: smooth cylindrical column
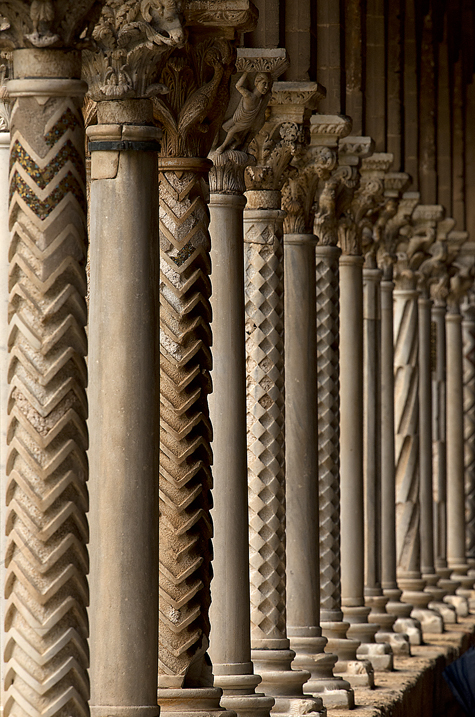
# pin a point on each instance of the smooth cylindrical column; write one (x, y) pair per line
(456, 559)
(302, 499)
(406, 393)
(425, 465)
(4, 242)
(404, 623)
(264, 302)
(351, 454)
(123, 396)
(374, 597)
(46, 560)
(230, 639)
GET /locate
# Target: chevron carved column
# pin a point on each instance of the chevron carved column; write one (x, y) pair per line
(46, 561)
(264, 301)
(191, 113)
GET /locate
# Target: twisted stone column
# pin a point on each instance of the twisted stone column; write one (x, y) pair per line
(468, 337)
(46, 560)
(198, 76)
(265, 439)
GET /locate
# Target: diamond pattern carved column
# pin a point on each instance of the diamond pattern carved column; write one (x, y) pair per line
(273, 148)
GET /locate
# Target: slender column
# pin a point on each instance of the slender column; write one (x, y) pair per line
(341, 184)
(198, 76)
(123, 389)
(456, 559)
(230, 640)
(468, 337)
(404, 625)
(4, 242)
(428, 272)
(46, 561)
(314, 166)
(406, 389)
(264, 301)
(394, 62)
(367, 197)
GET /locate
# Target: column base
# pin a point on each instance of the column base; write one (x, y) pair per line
(413, 592)
(191, 702)
(284, 684)
(460, 604)
(309, 656)
(360, 629)
(124, 710)
(446, 611)
(405, 624)
(239, 695)
(399, 643)
(446, 582)
(379, 654)
(359, 673)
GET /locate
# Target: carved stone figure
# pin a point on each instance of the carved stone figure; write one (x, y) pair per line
(252, 103)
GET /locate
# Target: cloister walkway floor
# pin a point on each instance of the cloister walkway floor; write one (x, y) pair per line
(417, 688)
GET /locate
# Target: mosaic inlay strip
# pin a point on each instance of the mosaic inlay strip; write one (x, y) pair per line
(43, 209)
(42, 176)
(68, 120)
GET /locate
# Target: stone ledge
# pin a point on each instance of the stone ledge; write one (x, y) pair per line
(416, 688)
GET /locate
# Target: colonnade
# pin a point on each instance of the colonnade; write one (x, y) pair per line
(269, 449)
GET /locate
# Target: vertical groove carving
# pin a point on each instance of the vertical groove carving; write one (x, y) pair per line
(469, 432)
(406, 397)
(46, 558)
(328, 430)
(185, 429)
(265, 430)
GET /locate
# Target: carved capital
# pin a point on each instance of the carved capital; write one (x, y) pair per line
(6, 71)
(197, 80)
(352, 150)
(413, 246)
(235, 16)
(251, 90)
(329, 129)
(227, 173)
(47, 23)
(282, 135)
(394, 225)
(462, 271)
(367, 197)
(127, 43)
(334, 195)
(298, 192)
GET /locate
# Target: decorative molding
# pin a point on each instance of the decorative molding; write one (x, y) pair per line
(306, 94)
(273, 61)
(226, 176)
(328, 129)
(239, 15)
(128, 42)
(47, 23)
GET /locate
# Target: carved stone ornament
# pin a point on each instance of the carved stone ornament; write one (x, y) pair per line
(241, 15)
(128, 40)
(47, 23)
(197, 81)
(462, 270)
(5, 105)
(333, 196)
(328, 129)
(298, 193)
(414, 243)
(386, 253)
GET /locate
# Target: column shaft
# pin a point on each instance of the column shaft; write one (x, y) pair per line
(124, 433)
(468, 329)
(425, 438)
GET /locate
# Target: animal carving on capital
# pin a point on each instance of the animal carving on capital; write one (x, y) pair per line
(127, 42)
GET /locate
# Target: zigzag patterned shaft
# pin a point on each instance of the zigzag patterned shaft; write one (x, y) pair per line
(469, 431)
(46, 558)
(185, 429)
(328, 431)
(406, 415)
(265, 429)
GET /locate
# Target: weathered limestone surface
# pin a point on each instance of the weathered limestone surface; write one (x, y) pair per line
(46, 561)
(468, 329)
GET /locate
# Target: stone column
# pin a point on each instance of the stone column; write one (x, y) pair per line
(410, 252)
(367, 197)
(314, 167)
(456, 559)
(264, 301)
(5, 69)
(431, 271)
(197, 76)
(46, 560)
(328, 205)
(123, 388)
(468, 337)
(372, 238)
(230, 641)
(404, 624)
